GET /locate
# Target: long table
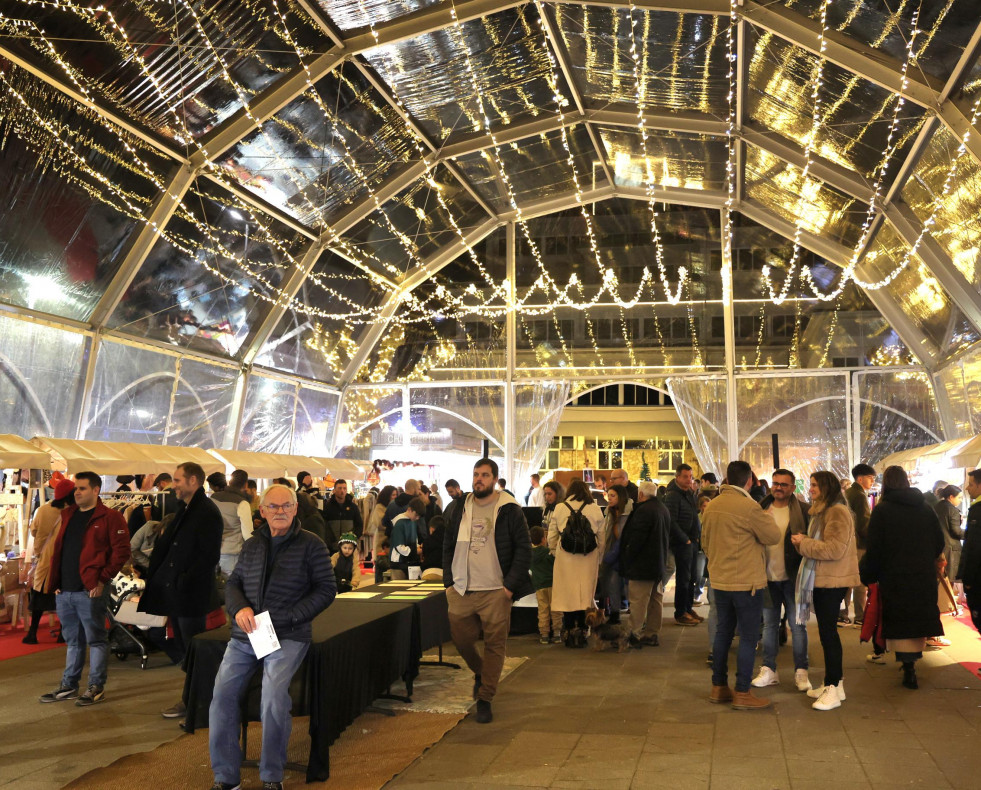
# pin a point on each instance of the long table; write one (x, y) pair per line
(360, 647)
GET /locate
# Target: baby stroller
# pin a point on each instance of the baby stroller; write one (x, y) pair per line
(126, 623)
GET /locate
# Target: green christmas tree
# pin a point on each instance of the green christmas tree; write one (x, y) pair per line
(645, 470)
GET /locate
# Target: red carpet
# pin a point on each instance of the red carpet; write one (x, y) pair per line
(965, 642)
(12, 647)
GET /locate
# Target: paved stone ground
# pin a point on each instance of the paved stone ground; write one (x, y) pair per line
(578, 719)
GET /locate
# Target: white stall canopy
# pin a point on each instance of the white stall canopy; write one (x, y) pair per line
(18, 453)
(952, 454)
(268, 465)
(342, 468)
(121, 458)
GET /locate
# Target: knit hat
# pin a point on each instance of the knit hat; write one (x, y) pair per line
(55, 477)
(63, 488)
(347, 537)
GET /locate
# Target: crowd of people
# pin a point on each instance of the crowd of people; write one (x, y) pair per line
(766, 556)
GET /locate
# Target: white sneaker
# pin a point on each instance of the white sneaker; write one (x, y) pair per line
(876, 658)
(802, 681)
(829, 699)
(766, 677)
(819, 691)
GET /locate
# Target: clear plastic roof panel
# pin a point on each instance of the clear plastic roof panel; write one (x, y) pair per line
(481, 405)
(946, 27)
(71, 197)
(320, 345)
(355, 14)
(801, 331)
(682, 57)
(898, 410)
(678, 160)
(537, 167)
(855, 113)
(495, 68)
(919, 294)
(179, 69)
(415, 225)
(327, 149)
(821, 209)
(957, 213)
(211, 278)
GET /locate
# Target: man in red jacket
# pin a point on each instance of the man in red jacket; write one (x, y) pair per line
(91, 546)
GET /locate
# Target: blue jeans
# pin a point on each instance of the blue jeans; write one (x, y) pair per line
(83, 621)
(237, 668)
(782, 595)
(738, 611)
(227, 563)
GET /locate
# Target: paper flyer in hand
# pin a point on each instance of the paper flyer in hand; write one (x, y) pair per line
(264, 640)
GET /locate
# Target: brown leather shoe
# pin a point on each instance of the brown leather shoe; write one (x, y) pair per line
(744, 700)
(720, 695)
(686, 620)
(696, 616)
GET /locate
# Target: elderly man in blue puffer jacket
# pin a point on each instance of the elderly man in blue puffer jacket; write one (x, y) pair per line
(286, 571)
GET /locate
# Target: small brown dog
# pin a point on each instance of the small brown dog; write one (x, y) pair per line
(602, 633)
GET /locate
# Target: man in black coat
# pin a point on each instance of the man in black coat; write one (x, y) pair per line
(685, 533)
(284, 571)
(969, 570)
(486, 563)
(342, 514)
(181, 579)
(643, 562)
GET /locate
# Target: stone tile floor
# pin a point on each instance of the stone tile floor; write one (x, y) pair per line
(578, 719)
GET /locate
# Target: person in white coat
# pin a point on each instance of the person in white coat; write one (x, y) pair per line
(574, 576)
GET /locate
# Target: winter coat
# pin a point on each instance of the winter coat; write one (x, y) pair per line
(684, 514)
(432, 549)
(511, 540)
(905, 541)
(452, 505)
(141, 545)
(44, 527)
(613, 532)
(374, 522)
(404, 533)
(355, 579)
(542, 567)
(181, 577)
(105, 548)
(312, 521)
(858, 502)
(735, 534)
(299, 585)
(835, 552)
(342, 517)
(950, 521)
(395, 509)
(799, 519)
(969, 568)
(574, 576)
(236, 513)
(644, 542)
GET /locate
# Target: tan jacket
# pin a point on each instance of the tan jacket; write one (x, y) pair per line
(44, 526)
(735, 534)
(837, 556)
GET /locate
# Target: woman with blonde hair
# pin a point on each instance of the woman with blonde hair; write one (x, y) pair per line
(829, 569)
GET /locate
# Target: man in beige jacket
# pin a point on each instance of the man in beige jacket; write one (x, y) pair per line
(735, 534)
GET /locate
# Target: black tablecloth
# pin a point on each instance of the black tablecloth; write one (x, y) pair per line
(359, 648)
(434, 620)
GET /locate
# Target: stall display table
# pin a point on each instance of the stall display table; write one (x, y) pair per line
(361, 645)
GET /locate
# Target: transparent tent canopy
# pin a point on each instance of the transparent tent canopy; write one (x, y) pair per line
(284, 225)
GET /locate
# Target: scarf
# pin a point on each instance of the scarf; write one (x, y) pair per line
(804, 591)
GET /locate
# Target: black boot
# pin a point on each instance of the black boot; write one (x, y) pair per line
(567, 638)
(579, 636)
(909, 675)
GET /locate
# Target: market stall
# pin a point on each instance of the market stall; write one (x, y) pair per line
(267, 466)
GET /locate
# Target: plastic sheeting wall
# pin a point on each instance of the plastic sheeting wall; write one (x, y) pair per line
(961, 381)
(286, 417)
(822, 421)
(41, 378)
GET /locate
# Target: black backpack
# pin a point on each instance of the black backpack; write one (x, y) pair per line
(578, 536)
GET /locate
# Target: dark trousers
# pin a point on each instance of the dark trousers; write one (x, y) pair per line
(827, 604)
(738, 611)
(574, 619)
(185, 629)
(684, 561)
